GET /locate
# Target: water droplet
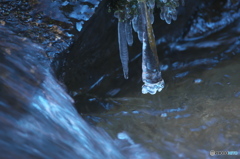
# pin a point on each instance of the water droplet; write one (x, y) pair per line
(197, 81)
(135, 112)
(163, 115)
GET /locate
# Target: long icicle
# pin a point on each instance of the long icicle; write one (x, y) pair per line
(150, 33)
(123, 48)
(151, 74)
(128, 30)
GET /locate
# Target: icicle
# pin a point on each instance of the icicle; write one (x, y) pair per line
(151, 74)
(149, 30)
(162, 13)
(167, 15)
(123, 50)
(137, 26)
(141, 21)
(174, 14)
(168, 9)
(140, 28)
(151, 4)
(135, 23)
(128, 30)
(125, 38)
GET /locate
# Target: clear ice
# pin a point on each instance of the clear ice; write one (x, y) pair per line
(128, 30)
(141, 22)
(151, 74)
(123, 47)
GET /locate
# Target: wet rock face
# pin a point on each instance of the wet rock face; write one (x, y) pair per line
(27, 19)
(51, 23)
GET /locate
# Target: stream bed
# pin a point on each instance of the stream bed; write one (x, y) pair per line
(197, 111)
(187, 119)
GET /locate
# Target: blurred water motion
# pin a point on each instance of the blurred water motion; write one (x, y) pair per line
(186, 120)
(198, 111)
(37, 117)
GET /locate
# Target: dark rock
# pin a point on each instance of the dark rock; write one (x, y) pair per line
(92, 65)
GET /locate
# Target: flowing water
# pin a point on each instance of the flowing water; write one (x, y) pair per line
(37, 117)
(198, 110)
(187, 119)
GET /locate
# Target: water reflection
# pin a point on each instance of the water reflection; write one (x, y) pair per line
(187, 119)
(198, 111)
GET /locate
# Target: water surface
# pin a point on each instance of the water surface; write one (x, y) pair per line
(197, 111)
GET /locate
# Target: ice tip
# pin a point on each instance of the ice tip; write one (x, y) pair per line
(125, 75)
(152, 88)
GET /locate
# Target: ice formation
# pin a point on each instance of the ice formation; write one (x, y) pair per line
(123, 49)
(151, 74)
(139, 15)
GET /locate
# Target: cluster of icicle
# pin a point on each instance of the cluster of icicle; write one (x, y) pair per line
(141, 22)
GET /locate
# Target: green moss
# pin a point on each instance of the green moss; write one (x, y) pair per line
(123, 6)
(129, 7)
